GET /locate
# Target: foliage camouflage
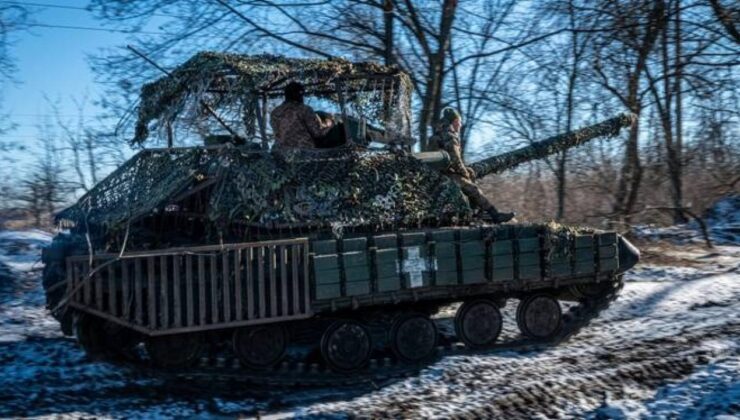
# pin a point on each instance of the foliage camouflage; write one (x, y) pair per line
(552, 145)
(231, 83)
(306, 188)
(299, 189)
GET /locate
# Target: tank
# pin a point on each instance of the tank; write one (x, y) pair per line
(348, 252)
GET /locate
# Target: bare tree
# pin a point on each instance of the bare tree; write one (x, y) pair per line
(42, 189)
(13, 18)
(441, 45)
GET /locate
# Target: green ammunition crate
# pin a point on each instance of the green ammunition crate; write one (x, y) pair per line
(473, 262)
(324, 247)
(446, 278)
(469, 234)
(356, 288)
(474, 276)
(501, 248)
(560, 270)
(445, 250)
(325, 262)
(503, 274)
(608, 238)
(385, 241)
(412, 239)
(584, 241)
(526, 231)
(503, 261)
(355, 259)
(530, 258)
(585, 254)
(609, 251)
(529, 245)
(530, 272)
(443, 236)
(386, 256)
(328, 291)
(354, 244)
(472, 248)
(387, 284)
(583, 267)
(360, 273)
(560, 258)
(328, 277)
(446, 264)
(610, 264)
(387, 270)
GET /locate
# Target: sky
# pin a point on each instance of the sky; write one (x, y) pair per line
(51, 62)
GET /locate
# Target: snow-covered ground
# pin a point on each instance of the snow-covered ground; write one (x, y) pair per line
(667, 348)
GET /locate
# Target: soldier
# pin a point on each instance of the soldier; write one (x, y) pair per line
(295, 124)
(447, 137)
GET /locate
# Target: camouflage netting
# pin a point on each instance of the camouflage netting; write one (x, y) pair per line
(269, 190)
(234, 84)
(552, 145)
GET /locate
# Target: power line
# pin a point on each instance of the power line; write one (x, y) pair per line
(123, 31)
(89, 28)
(60, 6)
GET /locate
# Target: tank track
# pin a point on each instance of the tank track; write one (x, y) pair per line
(225, 369)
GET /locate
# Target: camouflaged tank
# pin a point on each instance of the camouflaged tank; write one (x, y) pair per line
(348, 251)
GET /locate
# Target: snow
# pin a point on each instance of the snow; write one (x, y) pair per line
(667, 348)
(722, 220)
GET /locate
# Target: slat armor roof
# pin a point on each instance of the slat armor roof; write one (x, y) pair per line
(227, 80)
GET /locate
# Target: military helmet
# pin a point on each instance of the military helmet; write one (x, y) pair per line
(449, 115)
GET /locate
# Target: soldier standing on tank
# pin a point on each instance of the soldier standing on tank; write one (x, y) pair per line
(447, 137)
(294, 124)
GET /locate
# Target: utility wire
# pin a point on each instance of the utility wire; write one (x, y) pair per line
(79, 8)
(88, 28)
(124, 31)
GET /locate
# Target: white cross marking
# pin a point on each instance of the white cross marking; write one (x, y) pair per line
(415, 265)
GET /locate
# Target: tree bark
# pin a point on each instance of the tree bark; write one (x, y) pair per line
(388, 32)
(432, 100)
(631, 173)
(678, 180)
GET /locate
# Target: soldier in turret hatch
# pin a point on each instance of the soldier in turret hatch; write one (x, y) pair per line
(295, 124)
(447, 137)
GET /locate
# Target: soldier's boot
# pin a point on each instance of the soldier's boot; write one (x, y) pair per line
(499, 217)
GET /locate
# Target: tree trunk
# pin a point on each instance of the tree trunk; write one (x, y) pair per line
(631, 174)
(678, 146)
(432, 100)
(388, 40)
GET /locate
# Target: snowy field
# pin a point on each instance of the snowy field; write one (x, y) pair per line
(667, 348)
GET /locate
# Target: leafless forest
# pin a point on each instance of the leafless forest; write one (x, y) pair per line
(517, 70)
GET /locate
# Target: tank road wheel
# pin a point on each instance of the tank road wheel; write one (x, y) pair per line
(539, 317)
(413, 337)
(478, 323)
(346, 345)
(175, 351)
(260, 347)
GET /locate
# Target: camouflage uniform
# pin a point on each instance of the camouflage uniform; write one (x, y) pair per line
(296, 125)
(449, 141)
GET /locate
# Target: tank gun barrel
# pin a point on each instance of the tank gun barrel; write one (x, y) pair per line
(552, 145)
